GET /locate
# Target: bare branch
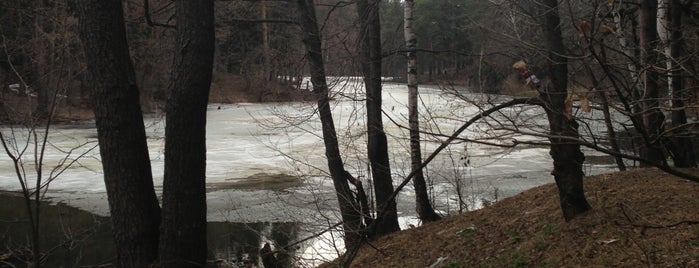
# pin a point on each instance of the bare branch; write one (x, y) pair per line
(146, 14)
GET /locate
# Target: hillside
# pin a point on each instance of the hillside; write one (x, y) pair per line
(640, 218)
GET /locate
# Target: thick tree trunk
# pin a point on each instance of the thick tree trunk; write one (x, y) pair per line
(653, 118)
(566, 154)
(133, 204)
(349, 208)
(422, 200)
(183, 231)
(377, 148)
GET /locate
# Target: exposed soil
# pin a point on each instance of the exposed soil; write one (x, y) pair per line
(641, 218)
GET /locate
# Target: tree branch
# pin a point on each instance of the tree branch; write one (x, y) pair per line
(485, 113)
(280, 21)
(146, 14)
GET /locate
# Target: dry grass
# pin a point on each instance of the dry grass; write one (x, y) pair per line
(640, 218)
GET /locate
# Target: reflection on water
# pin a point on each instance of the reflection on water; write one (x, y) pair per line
(75, 238)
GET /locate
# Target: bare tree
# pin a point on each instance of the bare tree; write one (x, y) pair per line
(682, 149)
(349, 207)
(377, 144)
(138, 233)
(567, 157)
(183, 228)
(133, 205)
(653, 118)
(423, 205)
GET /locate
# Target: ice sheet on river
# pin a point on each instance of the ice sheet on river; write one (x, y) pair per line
(265, 162)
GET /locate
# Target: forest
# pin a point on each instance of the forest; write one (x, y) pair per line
(617, 78)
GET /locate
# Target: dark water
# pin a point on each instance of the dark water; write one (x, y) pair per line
(74, 238)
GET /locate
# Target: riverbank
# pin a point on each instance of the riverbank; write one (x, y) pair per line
(72, 237)
(225, 88)
(641, 218)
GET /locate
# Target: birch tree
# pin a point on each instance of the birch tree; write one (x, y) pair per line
(669, 25)
(423, 206)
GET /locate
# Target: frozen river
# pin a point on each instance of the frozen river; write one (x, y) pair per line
(265, 161)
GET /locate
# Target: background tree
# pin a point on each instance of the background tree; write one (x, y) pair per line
(39, 41)
(682, 149)
(653, 119)
(625, 78)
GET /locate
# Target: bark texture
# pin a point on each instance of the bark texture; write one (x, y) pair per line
(653, 118)
(566, 154)
(349, 209)
(183, 231)
(422, 200)
(682, 147)
(377, 148)
(133, 205)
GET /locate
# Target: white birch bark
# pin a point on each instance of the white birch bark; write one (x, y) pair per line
(664, 34)
(625, 43)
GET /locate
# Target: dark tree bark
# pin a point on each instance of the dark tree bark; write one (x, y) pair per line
(604, 105)
(422, 200)
(566, 154)
(269, 260)
(611, 133)
(682, 148)
(349, 209)
(133, 204)
(377, 148)
(651, 149)
(43, 57)
(183, 231)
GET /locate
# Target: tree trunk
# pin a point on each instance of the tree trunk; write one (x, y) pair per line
(422, 200)
(43, 59)
(266, 63)
(121, 134)
(349, 209)
(682, 148)
(653, 118)
(611, 133)
(183, 231)
(604, 103)
(377, 148)
(566, 154)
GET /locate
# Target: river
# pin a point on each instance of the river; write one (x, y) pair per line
(265, 161)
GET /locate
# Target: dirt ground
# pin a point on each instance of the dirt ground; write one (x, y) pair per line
(640, 218)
